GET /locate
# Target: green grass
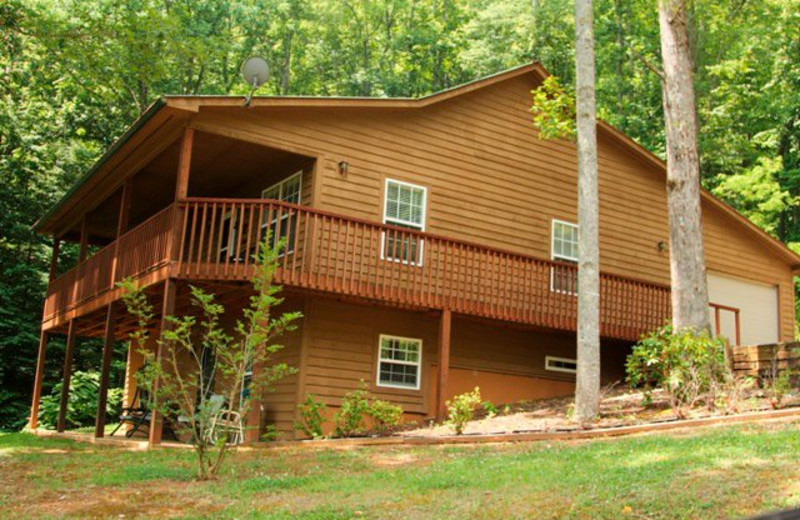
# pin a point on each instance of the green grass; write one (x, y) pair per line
(725, 472)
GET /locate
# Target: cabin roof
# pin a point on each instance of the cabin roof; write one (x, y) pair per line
(181, 107)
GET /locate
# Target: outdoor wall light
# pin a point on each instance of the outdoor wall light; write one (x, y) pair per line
(343, 167)
(662, 246)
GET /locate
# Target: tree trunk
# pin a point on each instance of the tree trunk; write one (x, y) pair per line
(687, 259)
(587, 387)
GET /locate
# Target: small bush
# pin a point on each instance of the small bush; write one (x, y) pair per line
(349, 420)
(82, 403)
(489, 408)
(461, 409)
(689, 366)
(385, 416)
(270, 433)
(777, 381)
(311, 417)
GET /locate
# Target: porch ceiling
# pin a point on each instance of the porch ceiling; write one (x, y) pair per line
(221, 167)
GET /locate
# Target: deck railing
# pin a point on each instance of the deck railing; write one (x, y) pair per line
(331, 253)
(215, 239)
(140, 250)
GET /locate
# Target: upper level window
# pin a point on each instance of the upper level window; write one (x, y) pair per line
(399, 362)
(287, 190)
(564, 249)
(404, 207)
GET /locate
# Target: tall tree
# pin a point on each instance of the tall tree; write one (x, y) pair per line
(588, 378)
(687, 258)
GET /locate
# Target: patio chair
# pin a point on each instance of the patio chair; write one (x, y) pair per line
(138, 414)
(229, 424)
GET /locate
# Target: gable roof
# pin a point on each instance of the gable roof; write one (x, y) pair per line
(191, 104)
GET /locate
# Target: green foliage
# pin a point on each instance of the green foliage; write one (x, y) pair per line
(489, 408)
(554, 110)
(187, 390)
(82, 403)
(385, 416)
(688, 365)
(312, 415)
(461, 409)
(75, 73)
(270, 433)
(780, 378)
(349, 419)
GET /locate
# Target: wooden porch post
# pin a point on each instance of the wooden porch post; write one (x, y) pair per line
(108, 354)
(122, 226)
(37, 382)
(168, 308)
(54, 260)
(84, 240)
(68, 354)
(443, 363)
(184, 165)
(253, 431)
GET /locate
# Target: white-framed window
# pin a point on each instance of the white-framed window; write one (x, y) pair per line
(564, 248)
(288, 190)
(404, 206)
(559, 364)
(399, 362)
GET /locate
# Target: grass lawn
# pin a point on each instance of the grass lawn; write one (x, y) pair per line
(724, 472)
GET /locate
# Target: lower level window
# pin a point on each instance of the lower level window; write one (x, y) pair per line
(399, 362)
(558, 364)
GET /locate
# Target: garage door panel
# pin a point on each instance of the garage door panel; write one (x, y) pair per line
(758, 305)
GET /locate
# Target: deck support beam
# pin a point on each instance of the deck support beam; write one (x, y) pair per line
(252, 431)
(167, 309)
(443, 363)
(65, 383)
(37, 382)
(105, 369)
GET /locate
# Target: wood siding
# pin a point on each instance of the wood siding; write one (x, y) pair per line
(342, 350)
(491, 180)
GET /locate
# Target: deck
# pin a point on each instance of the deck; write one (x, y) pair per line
(214, 240)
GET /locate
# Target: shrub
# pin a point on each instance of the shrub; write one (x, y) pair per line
(461, 409)
(349, 420)
(489, 408)
(270, 433)
(177, 389)
(689, 366)
(82, 403)
(385, 416)
(311, 417)
(777, 380)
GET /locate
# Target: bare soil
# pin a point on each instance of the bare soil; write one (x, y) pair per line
(618, 407)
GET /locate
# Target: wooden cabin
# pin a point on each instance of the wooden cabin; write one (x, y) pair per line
(432, 242)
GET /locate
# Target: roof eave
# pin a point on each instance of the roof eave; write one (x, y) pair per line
(40, 225)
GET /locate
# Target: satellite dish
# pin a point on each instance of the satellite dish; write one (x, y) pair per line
(255, 71)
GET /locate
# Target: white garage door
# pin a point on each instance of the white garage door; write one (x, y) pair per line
(757, 304)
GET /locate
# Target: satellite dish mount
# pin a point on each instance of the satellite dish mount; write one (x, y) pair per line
(255, 72)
